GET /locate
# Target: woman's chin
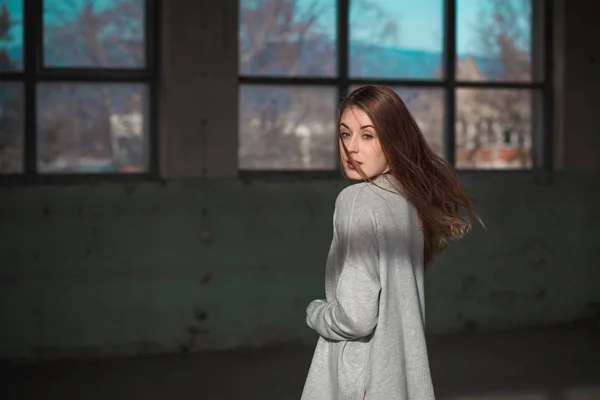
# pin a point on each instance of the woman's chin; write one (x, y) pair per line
(353, 175)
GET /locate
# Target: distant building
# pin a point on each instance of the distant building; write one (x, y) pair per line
(493, 126)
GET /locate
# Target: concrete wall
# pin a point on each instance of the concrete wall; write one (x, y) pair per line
(201, 264)
(582, 83)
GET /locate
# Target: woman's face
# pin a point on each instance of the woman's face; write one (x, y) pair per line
(358, 134)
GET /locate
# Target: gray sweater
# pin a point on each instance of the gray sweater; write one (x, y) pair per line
(371, 324)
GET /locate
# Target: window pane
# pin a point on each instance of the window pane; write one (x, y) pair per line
(92, 128)
(11, 35)
(288, 37)
(287, 128)
(493, 40)
(396, 39)
(493, 128)
(11, 128)
(94, 33)
(427, 108)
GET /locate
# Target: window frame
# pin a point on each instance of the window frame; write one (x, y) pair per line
(542, 39)
(35, 72)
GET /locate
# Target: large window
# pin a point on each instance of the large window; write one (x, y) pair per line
(76, 87)
(471, 72)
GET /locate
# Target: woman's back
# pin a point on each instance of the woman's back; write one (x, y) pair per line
(373, 338)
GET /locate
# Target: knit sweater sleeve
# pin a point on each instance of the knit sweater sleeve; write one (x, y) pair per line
(354, 311)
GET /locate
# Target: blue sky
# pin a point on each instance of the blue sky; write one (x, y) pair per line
(420, 21)
(15, 7)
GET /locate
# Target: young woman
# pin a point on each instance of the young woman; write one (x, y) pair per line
(387, 229)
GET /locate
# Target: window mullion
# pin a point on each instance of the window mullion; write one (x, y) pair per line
(33, 44)
(548, 91)
(343, 44)
(450, 79)
(152, 31)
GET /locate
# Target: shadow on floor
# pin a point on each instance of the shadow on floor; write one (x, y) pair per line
(544, 364)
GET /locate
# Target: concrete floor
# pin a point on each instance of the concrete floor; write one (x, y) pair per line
(543, 364)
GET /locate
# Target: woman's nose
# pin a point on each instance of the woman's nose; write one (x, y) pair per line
(353, 145)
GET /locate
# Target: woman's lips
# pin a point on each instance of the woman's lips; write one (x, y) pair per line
(349, 164)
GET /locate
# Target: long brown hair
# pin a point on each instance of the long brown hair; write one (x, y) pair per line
(427, 181)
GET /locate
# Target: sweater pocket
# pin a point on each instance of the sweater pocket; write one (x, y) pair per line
(352, 363)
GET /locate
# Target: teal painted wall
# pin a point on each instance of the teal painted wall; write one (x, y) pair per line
(108, 269)
(113, 269)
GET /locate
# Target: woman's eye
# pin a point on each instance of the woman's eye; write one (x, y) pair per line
(345, 134)
(367, 136)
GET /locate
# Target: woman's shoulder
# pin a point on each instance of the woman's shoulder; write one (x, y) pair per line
(349, 195)
(369, 195)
